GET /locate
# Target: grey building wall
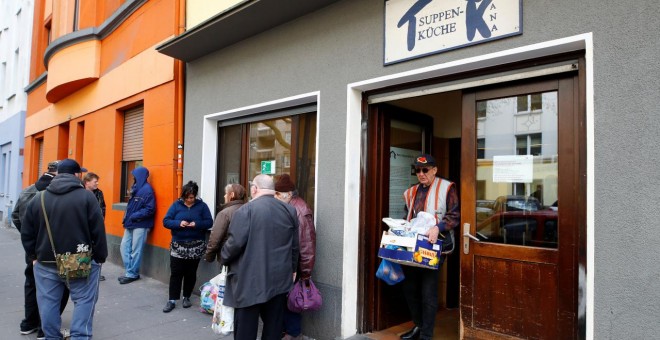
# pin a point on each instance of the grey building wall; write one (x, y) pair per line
(343, 43)
(12, 140)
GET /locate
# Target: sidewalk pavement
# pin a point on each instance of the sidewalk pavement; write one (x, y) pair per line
(130, 311)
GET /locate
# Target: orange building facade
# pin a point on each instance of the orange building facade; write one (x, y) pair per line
(101, 94)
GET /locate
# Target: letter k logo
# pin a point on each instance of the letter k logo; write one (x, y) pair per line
(474, 18)
(410, 18)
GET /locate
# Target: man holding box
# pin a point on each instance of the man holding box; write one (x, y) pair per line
(438, 197)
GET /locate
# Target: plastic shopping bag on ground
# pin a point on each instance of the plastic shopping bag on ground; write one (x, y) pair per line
(208, 295)
(223, 316)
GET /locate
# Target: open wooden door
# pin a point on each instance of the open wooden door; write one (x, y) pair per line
(394, 137)
(521, 204)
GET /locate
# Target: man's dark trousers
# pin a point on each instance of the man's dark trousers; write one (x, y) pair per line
(32, 318)
(246, 320)
(420, 288)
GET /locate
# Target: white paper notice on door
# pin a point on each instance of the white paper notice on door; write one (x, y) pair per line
(513, 169)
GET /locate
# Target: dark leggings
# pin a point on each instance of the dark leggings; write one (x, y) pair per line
(182, 270)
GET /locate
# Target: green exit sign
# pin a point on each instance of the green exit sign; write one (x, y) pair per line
(268, 167)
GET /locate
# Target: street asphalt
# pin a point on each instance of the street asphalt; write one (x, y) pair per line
(130, 311)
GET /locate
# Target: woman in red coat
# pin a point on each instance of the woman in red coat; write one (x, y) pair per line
(286, 192)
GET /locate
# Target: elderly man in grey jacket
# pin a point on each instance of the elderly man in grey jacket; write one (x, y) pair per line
(262, 254)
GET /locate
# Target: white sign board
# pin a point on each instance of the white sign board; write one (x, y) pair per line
(513, 169)
(401, 178)
(415, 28)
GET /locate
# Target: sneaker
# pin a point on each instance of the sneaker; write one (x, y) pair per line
(186, 302)
(168, 307)
(65, 333)
(40, 335)
(28, 330)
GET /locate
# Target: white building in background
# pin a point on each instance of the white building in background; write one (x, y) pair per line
(15, 42)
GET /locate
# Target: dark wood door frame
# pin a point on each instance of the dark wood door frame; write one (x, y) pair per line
(374, 204)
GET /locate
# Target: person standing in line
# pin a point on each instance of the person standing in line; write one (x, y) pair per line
(285, 191)
(32, 322)
(234, 199)
(138, 221)
(438, 197)
(91, 182)
(76, 225)
(262, 254)
(188, 218)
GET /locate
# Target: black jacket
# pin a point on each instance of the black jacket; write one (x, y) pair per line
(75, 220)
(27, 195)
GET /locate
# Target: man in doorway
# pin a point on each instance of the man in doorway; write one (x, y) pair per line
(64, 219)
(262, 254)
(138, 220)
(438, 197)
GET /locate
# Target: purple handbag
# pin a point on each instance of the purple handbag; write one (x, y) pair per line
(304, 297)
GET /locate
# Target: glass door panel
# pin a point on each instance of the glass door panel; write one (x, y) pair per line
(517, 168)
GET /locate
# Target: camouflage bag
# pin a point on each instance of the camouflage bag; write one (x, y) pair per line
(74, 266)
(69, 265)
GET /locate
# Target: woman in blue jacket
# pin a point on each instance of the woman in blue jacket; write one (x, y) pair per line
(188, 218)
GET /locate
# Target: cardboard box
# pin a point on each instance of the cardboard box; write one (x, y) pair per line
(414, 251)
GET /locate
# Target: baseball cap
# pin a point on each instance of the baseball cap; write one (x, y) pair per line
(69, 166)
(52, 166)
(424, 160)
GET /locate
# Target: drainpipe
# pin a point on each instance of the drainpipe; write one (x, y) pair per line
(179, 79)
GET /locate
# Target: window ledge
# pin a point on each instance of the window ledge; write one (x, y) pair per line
(119, 206)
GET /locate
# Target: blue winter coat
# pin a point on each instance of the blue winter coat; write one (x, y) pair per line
(141, 207)
(199, 213)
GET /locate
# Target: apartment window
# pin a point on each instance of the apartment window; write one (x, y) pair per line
(481, 148)
(272, 143)
(530, 102)
(481, 109)
(131, 149)
(529, 144)
(40, 157)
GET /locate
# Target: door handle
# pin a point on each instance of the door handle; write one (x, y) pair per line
(466, 238)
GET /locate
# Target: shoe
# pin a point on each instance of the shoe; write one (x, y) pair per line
(121, 278)
(66, 334)
(28, 330)
(168, 307)
(186, 302)
(101, 278)
(124, 280)
(41, 335)
(412, 334)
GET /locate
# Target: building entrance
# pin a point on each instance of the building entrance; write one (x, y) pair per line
(514, 273)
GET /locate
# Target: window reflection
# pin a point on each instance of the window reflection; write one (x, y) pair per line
(517, 168)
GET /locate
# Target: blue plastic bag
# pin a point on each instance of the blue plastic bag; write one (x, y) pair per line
(390, 272)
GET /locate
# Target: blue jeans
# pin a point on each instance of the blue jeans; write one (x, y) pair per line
(84, 293)
(131, 250)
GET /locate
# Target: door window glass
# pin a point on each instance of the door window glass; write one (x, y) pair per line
(517, 170)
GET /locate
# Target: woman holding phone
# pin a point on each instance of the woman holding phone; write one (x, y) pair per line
(188, 218)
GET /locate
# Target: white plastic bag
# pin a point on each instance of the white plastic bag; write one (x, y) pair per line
(422, 223)
(223, 316)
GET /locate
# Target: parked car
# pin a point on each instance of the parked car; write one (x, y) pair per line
(484, 209)
(520, 220)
